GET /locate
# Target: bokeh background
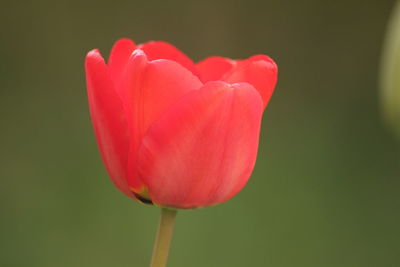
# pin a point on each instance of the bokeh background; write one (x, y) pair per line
(326, 188)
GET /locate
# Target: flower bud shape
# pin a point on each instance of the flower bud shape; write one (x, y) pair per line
(174, 133)
(390, 73)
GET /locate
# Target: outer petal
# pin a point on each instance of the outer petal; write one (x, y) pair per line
(108, 119)
(213, 68)
(260, 71)
(154, 86)
(202, 151)
(119, 56)
(163, 50)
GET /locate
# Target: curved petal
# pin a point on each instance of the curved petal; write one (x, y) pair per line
(213, 68)
(119, 56)
(163, 50)
(153, 87)
(203, 149)
(108, 119)
(260, 71)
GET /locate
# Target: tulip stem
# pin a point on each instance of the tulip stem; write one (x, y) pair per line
(163, 239)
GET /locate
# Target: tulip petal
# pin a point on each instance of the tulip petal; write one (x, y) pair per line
(108, 119)
(153, 87)
(260, 71)
(163, 50)
(203, 149)
(119, 56)
(213, 68)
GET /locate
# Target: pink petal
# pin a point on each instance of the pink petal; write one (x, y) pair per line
(213, 68)
(154, 86)
(108, 119)
(119, 56)
(203, 149)
(260, 71)
(163, 50)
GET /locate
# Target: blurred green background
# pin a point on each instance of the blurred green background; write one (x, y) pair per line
(325, 191)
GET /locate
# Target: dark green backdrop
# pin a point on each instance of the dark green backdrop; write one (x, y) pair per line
(325, 190)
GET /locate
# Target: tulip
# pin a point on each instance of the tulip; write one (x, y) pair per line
(174, 133)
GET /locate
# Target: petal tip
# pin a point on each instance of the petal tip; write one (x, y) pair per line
(138, 56)
(93, 53)
(138, 53)
(93, 58)
(125, 40)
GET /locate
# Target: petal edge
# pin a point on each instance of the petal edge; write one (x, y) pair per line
(108, 119)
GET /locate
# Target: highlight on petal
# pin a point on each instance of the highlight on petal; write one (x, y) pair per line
(213, 68)
(163, 50)
(203, 149)
(108, 119)
(260, 71)
(153, 87)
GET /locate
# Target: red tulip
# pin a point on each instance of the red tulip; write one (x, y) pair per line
(175, 133)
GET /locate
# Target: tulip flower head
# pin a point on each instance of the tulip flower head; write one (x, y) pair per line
(174, 133)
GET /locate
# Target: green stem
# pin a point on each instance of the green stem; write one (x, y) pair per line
(163, 239)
